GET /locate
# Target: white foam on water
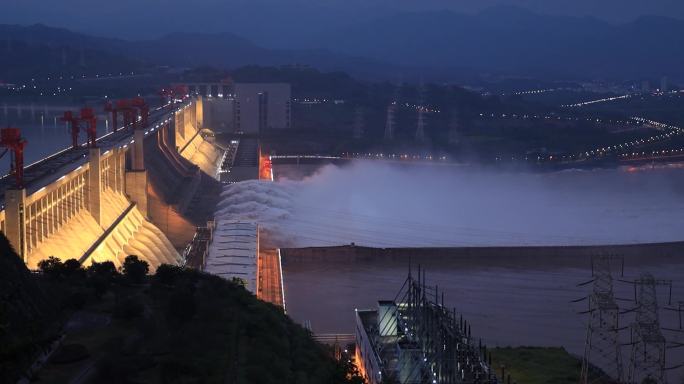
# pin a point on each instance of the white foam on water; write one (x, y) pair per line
(389, 205)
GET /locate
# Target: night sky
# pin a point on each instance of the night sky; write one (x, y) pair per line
(136, 19)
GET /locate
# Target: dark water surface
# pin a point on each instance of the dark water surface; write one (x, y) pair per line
(40, 126)
(526, 304)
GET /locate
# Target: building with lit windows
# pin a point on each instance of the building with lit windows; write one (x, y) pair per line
(261, 106)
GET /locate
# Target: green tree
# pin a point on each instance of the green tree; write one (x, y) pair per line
(135, 269)
(106, 269)
(181, 306)
(72, 269)
(167, 274)
(55, 268)
(128, 308)
(51, 267)
(239, 281)
(101, 276)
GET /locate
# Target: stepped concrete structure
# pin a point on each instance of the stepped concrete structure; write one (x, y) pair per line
(183, 163)
(140, 192)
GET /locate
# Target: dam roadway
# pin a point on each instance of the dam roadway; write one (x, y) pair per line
(134, 193)
(48, 169)
(141, 191)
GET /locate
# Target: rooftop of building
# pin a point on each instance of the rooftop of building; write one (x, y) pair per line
(233, 251)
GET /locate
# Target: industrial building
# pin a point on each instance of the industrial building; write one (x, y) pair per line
(366, 353)
(243, 164)
(245, 107)
(219, 113)
(416, 339)
(233, 252)
(261, 106)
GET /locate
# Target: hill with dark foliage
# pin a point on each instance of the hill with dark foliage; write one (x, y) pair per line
(39, 51)
(515, 41)
(434, 45)
(178, 326)
(25, 313)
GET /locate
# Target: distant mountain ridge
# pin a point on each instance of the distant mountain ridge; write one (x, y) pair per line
(515, 41)
(222, 50)
(39, 51)
(437, 45)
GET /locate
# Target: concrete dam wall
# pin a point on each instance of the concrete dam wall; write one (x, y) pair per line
(134, 194)
(132, 234)
(182, 190)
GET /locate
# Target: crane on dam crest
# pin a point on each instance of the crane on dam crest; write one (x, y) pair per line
(96, 201)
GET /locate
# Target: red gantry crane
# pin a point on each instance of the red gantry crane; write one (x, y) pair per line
(129, 108)
(10, 138)
(165, 94)
(88, 117)
(144, 110)
(173, 93)
(110, 108)
(73, 121)
(125, 107)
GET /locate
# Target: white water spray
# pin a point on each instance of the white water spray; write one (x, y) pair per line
(386, 205)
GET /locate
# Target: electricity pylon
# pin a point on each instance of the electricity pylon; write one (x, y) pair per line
(602, 347)
(647, 362)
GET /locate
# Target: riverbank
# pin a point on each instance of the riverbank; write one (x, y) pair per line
(502, 257)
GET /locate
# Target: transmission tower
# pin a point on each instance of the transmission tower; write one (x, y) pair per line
(602, 347)
(454, 127)
(358, 123)
(420, 127)
(389, 125)
(647, 363)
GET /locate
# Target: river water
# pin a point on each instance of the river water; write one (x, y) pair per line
(523, 305)
(41, 127)
(508, 303)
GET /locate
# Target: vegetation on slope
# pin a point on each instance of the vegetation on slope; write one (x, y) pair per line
(178, 326)
(542, 365)
(25, 314)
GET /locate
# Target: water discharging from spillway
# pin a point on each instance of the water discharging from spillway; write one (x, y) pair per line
(390, 205)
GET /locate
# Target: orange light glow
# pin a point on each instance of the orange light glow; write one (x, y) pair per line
(265, 168)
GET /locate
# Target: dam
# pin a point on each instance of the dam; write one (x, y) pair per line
(135, 192)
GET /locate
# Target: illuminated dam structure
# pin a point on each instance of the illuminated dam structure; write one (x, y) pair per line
(131, 195)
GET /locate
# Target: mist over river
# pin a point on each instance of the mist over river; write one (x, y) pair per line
(388, 205)
(509, 301)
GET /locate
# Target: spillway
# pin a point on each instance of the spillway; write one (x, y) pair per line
(128, 234)
(134, 194)
(181, 164)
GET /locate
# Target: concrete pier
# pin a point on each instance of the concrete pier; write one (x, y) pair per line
(95, 185)
(92, 204)
(15, 228)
